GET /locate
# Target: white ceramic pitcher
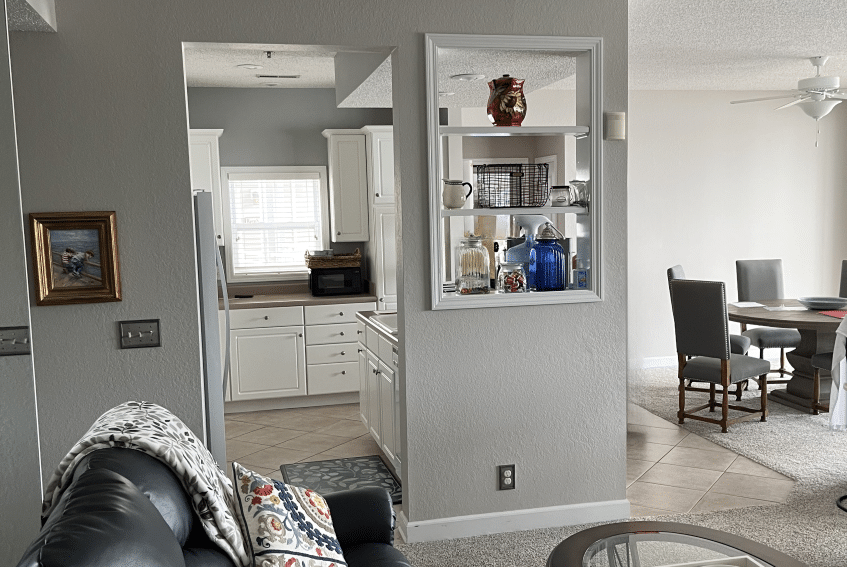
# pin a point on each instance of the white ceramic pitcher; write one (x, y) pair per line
(454, 195)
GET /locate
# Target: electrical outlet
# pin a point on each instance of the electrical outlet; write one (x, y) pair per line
(506, 477)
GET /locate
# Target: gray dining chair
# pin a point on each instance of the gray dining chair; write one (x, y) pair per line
(702, 333)
(761, 280)
(842, 292)
(738, 344)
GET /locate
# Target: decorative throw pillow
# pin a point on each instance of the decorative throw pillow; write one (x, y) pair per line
(285, 526)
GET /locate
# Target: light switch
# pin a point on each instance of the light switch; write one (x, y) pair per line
(139, 334)
(14, 340)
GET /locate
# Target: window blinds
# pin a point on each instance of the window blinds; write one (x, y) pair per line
(275, 218)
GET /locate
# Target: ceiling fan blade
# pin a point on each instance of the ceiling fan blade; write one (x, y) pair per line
(763, 98)
(793, 102)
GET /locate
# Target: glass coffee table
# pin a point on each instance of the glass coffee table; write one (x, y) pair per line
(663, 544)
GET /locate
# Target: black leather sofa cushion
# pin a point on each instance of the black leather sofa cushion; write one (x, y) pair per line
(362, 515)
(153, 478)
(103, 520)
(374, 555)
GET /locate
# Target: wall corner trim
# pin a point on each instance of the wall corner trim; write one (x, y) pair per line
(512, 521)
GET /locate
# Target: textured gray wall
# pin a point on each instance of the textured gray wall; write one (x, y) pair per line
(19, 466)
(103, 126)
(275, 126)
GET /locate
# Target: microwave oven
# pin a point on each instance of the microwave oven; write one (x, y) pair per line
(335, 281)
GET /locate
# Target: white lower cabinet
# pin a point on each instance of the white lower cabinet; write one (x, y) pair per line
(268, 363)
(331, 349)
(386, 409)
(374, 416)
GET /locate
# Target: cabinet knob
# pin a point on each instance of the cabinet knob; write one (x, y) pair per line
(359, 350)
(358, 331)
(299, 334)
(342, 333)
(219, 237)
(343, 353)
(382, 300)
(338, 234)
(376, 194)
(341, 313)
(266, 317)
(343, 372)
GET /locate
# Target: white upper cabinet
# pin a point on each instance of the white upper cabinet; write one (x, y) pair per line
(348, 185)
(205, 161)
(380, 149)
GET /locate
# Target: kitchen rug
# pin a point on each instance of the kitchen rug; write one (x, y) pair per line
(333, 475)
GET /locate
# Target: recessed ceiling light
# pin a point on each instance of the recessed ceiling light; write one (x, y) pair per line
(468, 77)
(249, 66)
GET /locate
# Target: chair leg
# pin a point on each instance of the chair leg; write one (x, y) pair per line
(712, 403)
(738, 388)
(761, 357)
(816, 391)
(681, 414)
(725, 408)
(763, 385)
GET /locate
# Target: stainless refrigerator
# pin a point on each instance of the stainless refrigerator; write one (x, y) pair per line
(210, 274)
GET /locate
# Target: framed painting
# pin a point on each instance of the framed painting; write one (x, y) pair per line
(75, 257)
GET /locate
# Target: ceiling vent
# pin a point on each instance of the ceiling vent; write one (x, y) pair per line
(278, 76)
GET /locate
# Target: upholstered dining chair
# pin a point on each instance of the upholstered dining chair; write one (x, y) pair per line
(761, 280)
(702, 332)
(842, 292)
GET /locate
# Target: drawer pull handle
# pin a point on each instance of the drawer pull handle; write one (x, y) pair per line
(358, 332)
(343, 353)
(343, 372)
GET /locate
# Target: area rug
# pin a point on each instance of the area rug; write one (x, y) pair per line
(808, 526)
(333, 475)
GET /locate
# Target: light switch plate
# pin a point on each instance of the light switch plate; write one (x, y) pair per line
(139, 334)
(14, 340)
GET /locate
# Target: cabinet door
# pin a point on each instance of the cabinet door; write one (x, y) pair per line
(363, 385)
(348, 183)
(386, 409)
(381, 165)
(373, 399)
(268, 363)
(385, 259)
(204, 157)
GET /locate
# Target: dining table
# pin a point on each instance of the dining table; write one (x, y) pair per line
(817, 335)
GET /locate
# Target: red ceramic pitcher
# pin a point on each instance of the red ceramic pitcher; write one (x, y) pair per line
(506, 102)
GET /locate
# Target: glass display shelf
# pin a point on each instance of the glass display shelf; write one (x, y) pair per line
(578, 131)
(489, 212)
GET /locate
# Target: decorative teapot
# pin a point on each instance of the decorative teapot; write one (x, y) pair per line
(454, 195)
(506, 102)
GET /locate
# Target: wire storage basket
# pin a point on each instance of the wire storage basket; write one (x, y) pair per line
(352, 260)
(511, 185)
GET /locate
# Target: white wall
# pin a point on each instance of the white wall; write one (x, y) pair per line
(711, 183)
(102, 119)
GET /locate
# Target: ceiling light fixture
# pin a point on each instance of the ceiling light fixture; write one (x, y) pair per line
(817, 109)
(251, 66)
(468, 77)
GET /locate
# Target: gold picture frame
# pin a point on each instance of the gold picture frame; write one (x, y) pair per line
(75, 257)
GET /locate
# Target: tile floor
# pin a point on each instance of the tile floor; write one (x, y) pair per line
(669, 471)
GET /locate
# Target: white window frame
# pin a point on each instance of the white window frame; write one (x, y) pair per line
(289, 275)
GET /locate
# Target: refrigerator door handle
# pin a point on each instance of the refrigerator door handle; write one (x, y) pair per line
(219, 261)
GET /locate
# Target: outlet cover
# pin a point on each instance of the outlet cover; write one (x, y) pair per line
(505, 477)
(14, 341)
(139, 334)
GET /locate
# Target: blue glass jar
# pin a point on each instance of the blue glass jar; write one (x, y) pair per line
(547, 261)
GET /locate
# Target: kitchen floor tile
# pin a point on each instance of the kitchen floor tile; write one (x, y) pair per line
(682, 477)
(236, 449)
(743, 465)
(272, 457)
(359, 447)
(313, 443)
(636, 511)
(663, 497)
(344, 428)
(757, 487)
(238, 428)
(289, 419)
(698, 458)
(697, 442)
(269, 435)
(652, 452)
(660, 435)
(636, 468)
(640, 416)
(713, 501)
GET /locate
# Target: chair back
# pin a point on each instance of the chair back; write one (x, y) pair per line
(676, 273)
(759, 280)
(699, 317)
(843, 291)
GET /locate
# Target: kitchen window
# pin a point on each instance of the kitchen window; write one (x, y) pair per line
(273, 216)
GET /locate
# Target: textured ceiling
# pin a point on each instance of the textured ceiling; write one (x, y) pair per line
(23, 17)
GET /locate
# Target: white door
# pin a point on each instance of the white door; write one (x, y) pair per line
(386, 257)
(268, 363)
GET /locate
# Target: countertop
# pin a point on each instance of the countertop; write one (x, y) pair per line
(365, 317)
(293, 299)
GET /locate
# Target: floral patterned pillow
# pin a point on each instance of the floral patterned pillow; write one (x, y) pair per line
(284, 525)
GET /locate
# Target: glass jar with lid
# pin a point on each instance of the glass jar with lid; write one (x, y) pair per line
(547, 261)
(512, 278)
(472, 266)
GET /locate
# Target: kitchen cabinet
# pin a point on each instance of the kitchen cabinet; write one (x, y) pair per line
(382, 257)
(379, 145)
(348, 185)
(581, 143)
(332, 347)
(205, 164)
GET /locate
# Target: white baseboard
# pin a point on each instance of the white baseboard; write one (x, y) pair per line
(512, 521)
(292, 402)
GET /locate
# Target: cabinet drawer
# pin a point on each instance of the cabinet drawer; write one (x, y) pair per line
(384, 350)
(335, 313)
(360, 332)
(333, 378)
(372, 340)
(325, 354)
(265, 317)
(329, 334)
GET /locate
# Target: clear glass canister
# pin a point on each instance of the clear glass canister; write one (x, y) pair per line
(512, 278)
(472, 266)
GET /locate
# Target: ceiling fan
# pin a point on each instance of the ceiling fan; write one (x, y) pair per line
(814, 95)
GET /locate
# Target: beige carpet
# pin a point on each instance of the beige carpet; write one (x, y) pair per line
(808, 526)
